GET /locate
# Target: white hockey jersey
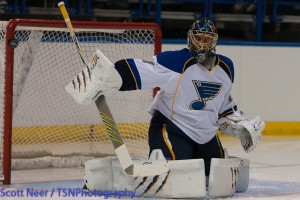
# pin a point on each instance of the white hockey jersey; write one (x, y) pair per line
(191, 96)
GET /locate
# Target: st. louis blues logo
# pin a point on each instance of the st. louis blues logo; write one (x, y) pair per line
(206, 91)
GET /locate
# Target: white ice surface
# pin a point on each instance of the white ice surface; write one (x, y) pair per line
(274, 172)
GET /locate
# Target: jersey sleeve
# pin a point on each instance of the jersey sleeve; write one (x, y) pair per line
(141, 74)
(228, 106)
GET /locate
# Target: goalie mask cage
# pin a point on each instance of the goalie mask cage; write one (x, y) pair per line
(41, 126)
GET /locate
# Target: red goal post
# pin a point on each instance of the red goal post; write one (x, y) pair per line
(37, 117)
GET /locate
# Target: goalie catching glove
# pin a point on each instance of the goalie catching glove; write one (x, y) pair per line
(247, 130)
(100, 77)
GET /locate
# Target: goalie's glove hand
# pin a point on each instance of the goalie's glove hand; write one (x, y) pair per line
(248, 131)
(99, 78)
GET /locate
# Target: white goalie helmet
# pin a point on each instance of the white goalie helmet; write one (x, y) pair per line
(202, 39)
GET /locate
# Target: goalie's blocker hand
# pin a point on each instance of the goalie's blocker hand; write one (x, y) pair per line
(98, 78)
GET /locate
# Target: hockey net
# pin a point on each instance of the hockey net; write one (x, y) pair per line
(43, 126)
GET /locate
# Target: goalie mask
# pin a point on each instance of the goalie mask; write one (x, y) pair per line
(202, 39)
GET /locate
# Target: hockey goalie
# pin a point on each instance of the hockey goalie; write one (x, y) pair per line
(194, 102)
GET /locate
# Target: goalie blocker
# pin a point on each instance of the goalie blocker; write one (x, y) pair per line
(98, 78)
(186, 178)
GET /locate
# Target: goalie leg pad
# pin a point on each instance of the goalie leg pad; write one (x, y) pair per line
(228, 176)
(243, 181)
(185, 179)
(99, 174)
(106, 174)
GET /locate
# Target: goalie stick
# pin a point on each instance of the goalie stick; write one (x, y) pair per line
(126, 162)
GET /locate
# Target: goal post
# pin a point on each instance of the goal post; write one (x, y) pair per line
(38, 119)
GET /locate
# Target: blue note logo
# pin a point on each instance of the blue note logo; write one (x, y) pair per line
(206, 91)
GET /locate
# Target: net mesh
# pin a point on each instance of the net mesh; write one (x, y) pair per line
(47, 122)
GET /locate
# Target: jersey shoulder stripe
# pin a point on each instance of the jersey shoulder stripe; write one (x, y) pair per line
(177, 61)
(227, 65)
